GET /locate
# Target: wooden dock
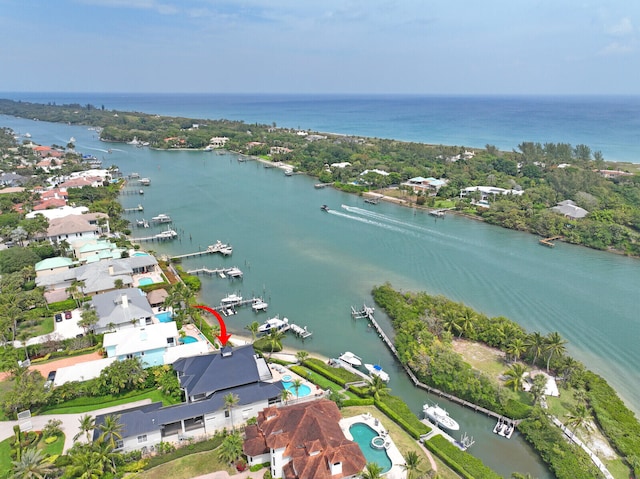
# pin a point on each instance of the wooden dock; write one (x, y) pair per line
(218, 247)
(549, 242)
(367, 312)
(232, 273)
(319, 186)
(163, 236)
(134, 209)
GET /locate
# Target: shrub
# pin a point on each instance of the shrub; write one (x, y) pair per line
(337, 375)
(396, 410)
(358, 402)
(51, 439)
(463, 463)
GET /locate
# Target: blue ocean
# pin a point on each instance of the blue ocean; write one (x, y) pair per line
(609, 124)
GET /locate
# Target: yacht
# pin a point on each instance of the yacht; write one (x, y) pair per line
(273, 324)
(351, 359)
(231, 299)
(259, 305)
(168, 234)
(441, 417)
(144, 181)
(162, 218)
(376, 370)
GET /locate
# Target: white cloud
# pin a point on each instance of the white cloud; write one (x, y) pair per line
(616, 48)
(622, 28)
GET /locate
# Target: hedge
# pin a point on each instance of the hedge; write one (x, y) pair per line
(358, 402)
(65, 305)
(396, 410)
(184, 451)
(468, 466)
(337, 375)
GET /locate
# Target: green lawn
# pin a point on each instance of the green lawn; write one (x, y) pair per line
(321, 381)
(87, 404)
(188, 466)
(5, 456)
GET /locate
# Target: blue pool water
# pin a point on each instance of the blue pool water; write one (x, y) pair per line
(303, 390)
(140, 254)
(188, 339)
(164, 317)
(363, 434)
(145, 281)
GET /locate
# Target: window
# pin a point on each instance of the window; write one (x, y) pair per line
(226, 413)
(142, 438)
(119, 443)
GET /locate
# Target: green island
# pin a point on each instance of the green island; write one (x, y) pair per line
(436, 338)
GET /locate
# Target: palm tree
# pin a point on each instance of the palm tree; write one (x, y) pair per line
(535, 343)
(515, 348)
(87, 425)
(301, 356)
(538, 387)
(371, 471)
(555, 346)
(296, 384)
(230, 400)
(275, 341)
(514, 376)
(411, 463)
(231, 448)
(377, 388)
(579, 417)
(111, 430)
(32, 464)
(253, 329)
(285, 395)
(89, 318)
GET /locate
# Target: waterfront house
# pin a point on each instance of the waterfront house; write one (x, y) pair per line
(51, 266)
(303, 441)
(570, 210)
(426, 185)
(486, 192)
(149, 343)
(121, 309)
(72, 227)
(205, 380)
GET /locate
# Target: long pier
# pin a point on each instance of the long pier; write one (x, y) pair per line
(367, 312)
(164, 236)
(134, 209)
(218, 247)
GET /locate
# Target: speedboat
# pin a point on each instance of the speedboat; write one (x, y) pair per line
(144, 181)
(441, 417)
(376, 370)
(273, 324)
(351, 359)
(231, 299)
(324, 208)
(162, 218)
(169, 234)
(259, 305)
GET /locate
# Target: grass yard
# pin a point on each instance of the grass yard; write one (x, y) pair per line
(489, 361)
(87, 404)
(188, 466)
(321, 381)
(5, 457)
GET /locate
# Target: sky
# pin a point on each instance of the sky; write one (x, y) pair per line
(328, 46)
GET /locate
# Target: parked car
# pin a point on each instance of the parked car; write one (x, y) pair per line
(67, 315)
(58, 317)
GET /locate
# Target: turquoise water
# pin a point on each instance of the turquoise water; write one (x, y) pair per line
(363, 434)
(188, 339)
(313, 266)
(145, 281)
(140, 253)
(303, 390)
(164, 317)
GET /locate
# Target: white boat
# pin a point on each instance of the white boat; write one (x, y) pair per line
(351, 359)
(144, 181)
(376, 370)
(169, 234)
(273, 324)
(441, 417)
(162, 218)
(231, 299)
(259, 305)
(72, 140)
(234, 273)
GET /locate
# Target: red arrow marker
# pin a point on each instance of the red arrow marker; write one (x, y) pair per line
(223, 337)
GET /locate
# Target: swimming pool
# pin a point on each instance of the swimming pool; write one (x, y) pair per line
(303, 390)
(363, 435)
(140, 254)
(188, 339)
(164, 317)
(145, 281)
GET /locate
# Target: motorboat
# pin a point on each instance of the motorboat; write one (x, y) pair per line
(144, 181)
(162, 218)
(259, 305)
(376, 370)
(168, 234)
(441, 417)
(351, 359)
(324, 208)
(231, 299)
(142, 223)
(273, 324)
(234, 273)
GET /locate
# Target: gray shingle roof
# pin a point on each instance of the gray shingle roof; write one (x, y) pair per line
(112, 308)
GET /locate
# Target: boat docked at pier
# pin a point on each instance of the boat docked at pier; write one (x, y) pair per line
(273, 324)
(144, 181)
(259, 305)
(168, 234)
(441, 417)
(231, 299)
(376, 370)
(351, 359)
(504, 428)
(162, 218)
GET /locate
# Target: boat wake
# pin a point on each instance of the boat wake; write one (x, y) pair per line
(368, 221)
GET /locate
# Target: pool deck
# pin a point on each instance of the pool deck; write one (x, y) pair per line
(396, 471)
